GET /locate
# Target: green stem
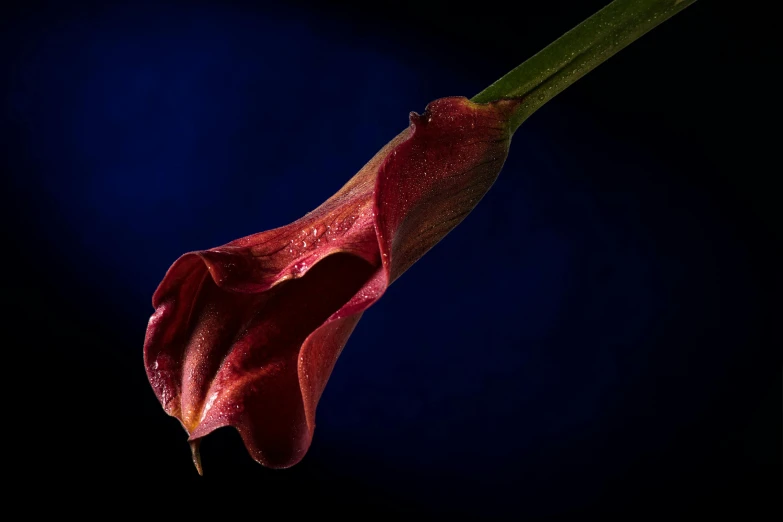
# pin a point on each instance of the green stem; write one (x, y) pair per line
(578, 52)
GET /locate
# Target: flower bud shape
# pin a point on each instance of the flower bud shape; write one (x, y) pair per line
(247, 334)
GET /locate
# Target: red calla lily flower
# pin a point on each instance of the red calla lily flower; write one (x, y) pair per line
(247, 334)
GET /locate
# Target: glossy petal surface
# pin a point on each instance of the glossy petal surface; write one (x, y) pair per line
(247, 334)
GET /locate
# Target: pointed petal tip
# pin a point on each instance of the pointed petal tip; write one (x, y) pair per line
(196, 453)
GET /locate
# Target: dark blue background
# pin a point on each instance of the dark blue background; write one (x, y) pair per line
(599, 338)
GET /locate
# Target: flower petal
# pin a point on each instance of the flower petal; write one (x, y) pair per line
(430, 182)
(247, 334)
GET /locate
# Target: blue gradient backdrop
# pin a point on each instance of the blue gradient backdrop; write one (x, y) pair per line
(596, 339)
